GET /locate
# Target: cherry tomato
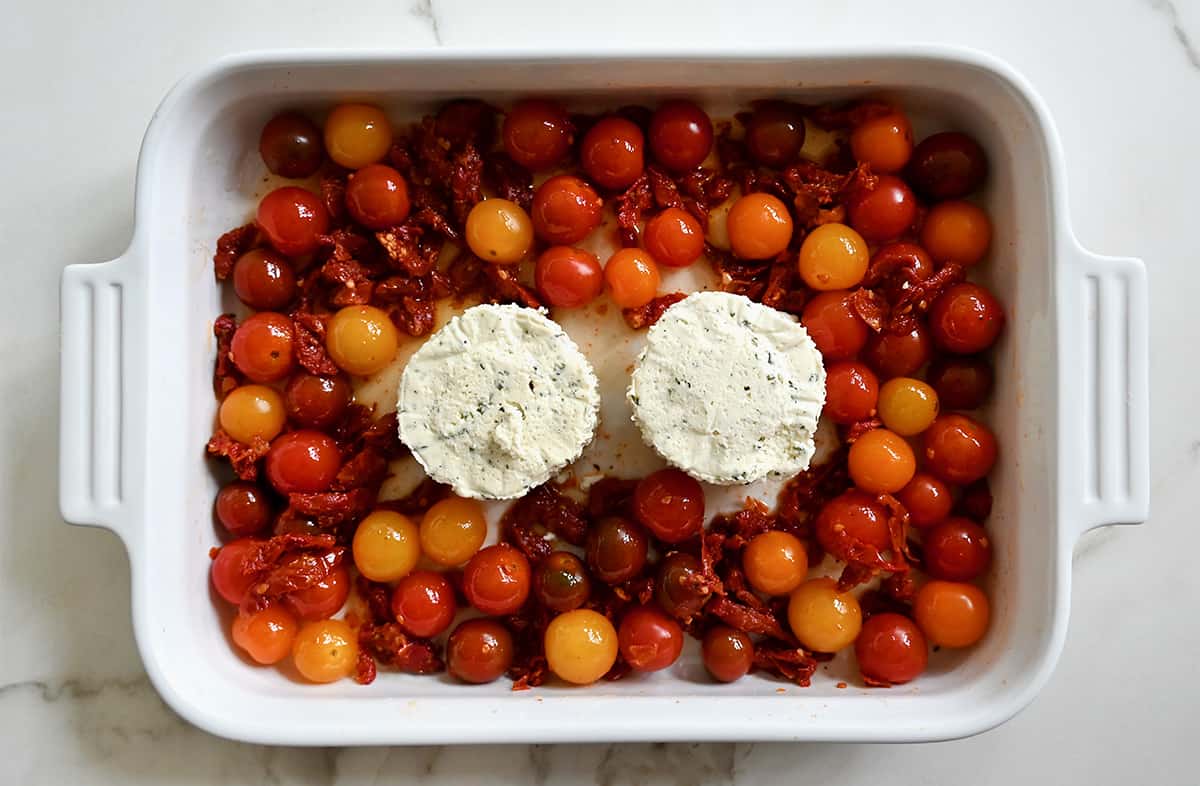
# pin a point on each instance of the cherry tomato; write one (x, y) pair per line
(884, 213)
(976, 500)
(759, 226)
(961, 383)
(243, 509)
(956, 231)
(581, 646)
(266, 635)
(616, 550)
(323, 599)
(263, 347)
(965, 319)
(316, 402)
(290, 145)
(674, 588)
(680, 135)
(632, 278)
(252, 412)
(561, 583)
(497, 580)
(775, 134)
(423, 603)
(466, 121)
(479, 651)
(948, 165)
(958, 449)
(377, 196)
(302, 462)
(537, 134)
(851, 392)
(927, 500)
(952, 614)
(957, 549)
(898, 355)
(325, 651)
(907, 406)
(499, 231)
(899, 255)
(649, 640)
(292, 219)
(227, 577)
(728, 654)
(565, 210)
(357, 135)
(834, 325)
(453, 530)
(891, 649)
(362, 340)
(670, 504)
(386, 546)
(823, 618)
(775, 562)
(881, 462)
(263, 279)
(674, 238)
(612, 152)
(884, 142)
(856, 514)
(568, 277)
(833, 256)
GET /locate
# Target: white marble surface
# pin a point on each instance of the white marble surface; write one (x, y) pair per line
(80, 81)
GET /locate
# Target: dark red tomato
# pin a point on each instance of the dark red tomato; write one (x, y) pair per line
(728, 654)
(834, 325)
(568, 277)
(961, 383)
(612, 152)
(467, 120)
(674, 238)
(497, 580)
(227, 577)
(290, 145)
(262, 347)
(292, 218)
(565, 210)
(949, 165)
(377, 196)
(264, 280)
(898, 355)
(894, 256)
(479, 651)
(966, 319)
(775, 134)
(616, 550)
(316, 402)
(976, 500)
(537, 133)
(670, 504)
(243, 508)
(958, 549)
(891, 649)
(680, 135)
(855, 514)
(927, 499)
(302, 462)
(323, 599)
(561, 582)
(851, 392)
(958, 449)
(884, 213)
(423, 603)
(649, 640)
(674, 587)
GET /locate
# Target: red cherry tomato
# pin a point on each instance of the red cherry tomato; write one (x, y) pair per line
(612, 152)
(303, 462)
(649, 640)
(855, 515)
(834, 325)
(568, 277)
(927, 500)
(728, 654)
(885, 212)
(292, 218)
(898, 355)
(961, 383)
(958, 449)
(243, 509)
(680, 135)
(949, 165)
(377, 196)
(966, 319)
(227, 577)
(537, 134)
(323, 599)
(958, 549)
(674, 238)
(263, 347)
(316, 402)
(497, 580)
(479, 651)
(851, 392)
(423, 603)
(264, 280)
(670, 504)
(565, 210)
(891, 649)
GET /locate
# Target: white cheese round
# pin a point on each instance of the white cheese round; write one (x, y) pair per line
(729, 390)
(497, 402)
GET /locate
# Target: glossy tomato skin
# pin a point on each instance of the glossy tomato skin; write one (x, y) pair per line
(423, 603)
(674, 238)
(949, 165)
(568, 277)
(377, 196)
(497, 580)
(263, 347)
(851, 392)
(958, 449)
(681, 134)
(674, 587)
(613, 152)
(775, 134)
(303, 461)
(565, 210)
(728, 654)
(886, 143)
(290, 145)
(323, 599)
(891, 649)
(479, 651)
(834, 325)
(856, 514)
(292, 219)
(227, 577)
(243, 508)
(962, 383)
(966, 319)
(760, 226)
(927, 500)
(648, 639)
(632, 278)
(957, 549)
(316, 402)
(537, 133)
(952, 613)
(670, 504)
(885, 212)
(264, 280)
(898, 355)
(561, 582)
(616, 550)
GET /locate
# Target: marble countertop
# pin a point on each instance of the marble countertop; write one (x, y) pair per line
(80, 82)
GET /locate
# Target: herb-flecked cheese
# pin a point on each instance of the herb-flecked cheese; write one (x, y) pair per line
(497, 402)
(729, 390)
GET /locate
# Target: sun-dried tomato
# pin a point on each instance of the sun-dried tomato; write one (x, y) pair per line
(365, 469)
(364, 669)
(814, 187)
(664, 189)
(505, 288)
(332, 508)
(871, 307)
(430, 154)
(378, 599)
(508, 179)
(333, 194)
(739, 276)
(431, 219)
(631, 206)
(355, 286)
(232, 245)
(287, 563)
(465, 182)
(310, 345)
(390, 645)
(244, 458)
(529, 668)
(744, 618)
(465, 275)
(611, 497)
(355, 422)
(646, 315)
(226, 376)
(544, 509)
(852, 432)
(783, 290)
(793, 664)
(405, 250)
(916, 299)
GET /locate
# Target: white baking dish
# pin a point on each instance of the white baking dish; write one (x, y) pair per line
(1070, 409)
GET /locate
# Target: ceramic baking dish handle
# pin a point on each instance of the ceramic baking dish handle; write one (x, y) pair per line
(94, 445)
(1108, 355)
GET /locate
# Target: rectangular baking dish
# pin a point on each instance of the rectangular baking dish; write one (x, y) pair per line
(1070, 410)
